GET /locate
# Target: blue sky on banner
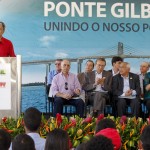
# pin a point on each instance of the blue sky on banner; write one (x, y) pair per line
(25, 28)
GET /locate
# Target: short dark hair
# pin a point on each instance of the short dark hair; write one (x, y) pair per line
(145, 138)
(32, 119)
(57, 139)
(3, 25)
(99, 142)
(115, 59)
(90, 61)
(23, 142)
(5, 140)
(100, 59)
(105, 123)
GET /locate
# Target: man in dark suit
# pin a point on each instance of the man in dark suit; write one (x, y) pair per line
(116, 61)
(98, 84)
(126, 89)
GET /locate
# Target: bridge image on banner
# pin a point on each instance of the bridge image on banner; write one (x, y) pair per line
(124, 51)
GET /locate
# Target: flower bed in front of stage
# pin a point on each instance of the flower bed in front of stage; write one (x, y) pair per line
(81, 129)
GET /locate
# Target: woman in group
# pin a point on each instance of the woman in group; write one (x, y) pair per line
(57, 139)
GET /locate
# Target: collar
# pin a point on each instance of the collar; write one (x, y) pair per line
(125, 77)
(98, 73)
(113, 72)
(63, 75)
(141, 74)
(33, 134)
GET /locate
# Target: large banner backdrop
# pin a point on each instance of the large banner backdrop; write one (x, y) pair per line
(42, 30)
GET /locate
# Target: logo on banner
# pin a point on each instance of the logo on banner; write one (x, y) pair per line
(2, 72)
(2, 84)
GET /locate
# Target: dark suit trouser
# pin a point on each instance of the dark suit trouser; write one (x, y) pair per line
(147, 102)
(100, 102)
(122, 103)
(59, 102)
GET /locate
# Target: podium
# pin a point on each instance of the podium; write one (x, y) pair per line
(10, 86)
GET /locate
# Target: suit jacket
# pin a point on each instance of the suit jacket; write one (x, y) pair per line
(90, 80)
(110, 72)
(118, 84)
(81, 77)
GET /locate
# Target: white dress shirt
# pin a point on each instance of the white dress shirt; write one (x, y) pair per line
(141, 77)
(39, 142)
(98, 87)
(127, 86)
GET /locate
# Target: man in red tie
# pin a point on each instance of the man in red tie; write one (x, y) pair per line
(6, 46)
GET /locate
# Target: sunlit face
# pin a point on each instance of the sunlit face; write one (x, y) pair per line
(1, 30)
(144, 68)
(124, 69)
(89, 66)
(65, 66)
(117, 64)
(100, 65)
(58, 65)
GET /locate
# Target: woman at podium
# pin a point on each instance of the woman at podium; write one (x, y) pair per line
(6, 46)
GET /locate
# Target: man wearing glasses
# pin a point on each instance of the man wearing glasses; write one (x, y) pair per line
(66, 89)
(98, 84)
(52, 73)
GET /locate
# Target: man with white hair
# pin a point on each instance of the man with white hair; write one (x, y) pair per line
(126, 90)
(144, 67)
(65, 87)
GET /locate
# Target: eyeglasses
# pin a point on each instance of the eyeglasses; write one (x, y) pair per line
(101, 65)
(57, 64)
(66, 86)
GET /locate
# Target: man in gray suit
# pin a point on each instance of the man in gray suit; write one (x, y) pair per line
(89, 66)
(98, 85)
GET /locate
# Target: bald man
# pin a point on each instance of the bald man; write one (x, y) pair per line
(65, 87)
(126, 90)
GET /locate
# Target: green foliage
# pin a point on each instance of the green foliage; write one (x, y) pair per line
(80, 129)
